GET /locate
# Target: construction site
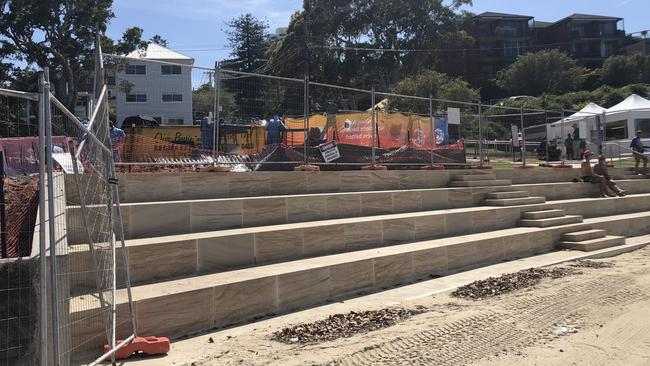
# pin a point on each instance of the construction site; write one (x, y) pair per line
(346, 227)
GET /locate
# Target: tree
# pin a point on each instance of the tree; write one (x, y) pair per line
(159, 40)
(59, 34)
(248, 38)
(546, 71)
(624, 70)
(131, 40)
(340, 30)
(437, 85)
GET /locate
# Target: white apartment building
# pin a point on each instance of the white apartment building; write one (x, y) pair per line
(162, 91)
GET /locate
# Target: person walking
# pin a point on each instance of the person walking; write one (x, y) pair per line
(569, 147)
(639, 149)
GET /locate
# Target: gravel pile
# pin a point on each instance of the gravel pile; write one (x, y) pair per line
(342, 326)
(494, 286)
(591, 264)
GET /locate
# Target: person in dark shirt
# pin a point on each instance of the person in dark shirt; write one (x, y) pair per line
(569, 147)
(639, 149)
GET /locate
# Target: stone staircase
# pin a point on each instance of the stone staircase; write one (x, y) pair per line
(503, 194)
(630, 173)
(586, 239)
(590, 240)
(208, 262)
(548, 218)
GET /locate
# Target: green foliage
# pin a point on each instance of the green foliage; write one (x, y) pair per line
(336, 27)
(203, 101)
(434, 84)
(624, 70)
(159, 40)
(248, 37)
(59, 34)
(546, 71)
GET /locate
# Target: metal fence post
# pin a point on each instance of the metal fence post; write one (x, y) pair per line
(306, 118)
(603, 139)
(42, 247)
(51, 215)
(480, 134)
(523, 138)
(548, 161)
(431, 128)
(215, 112)
(373, 120)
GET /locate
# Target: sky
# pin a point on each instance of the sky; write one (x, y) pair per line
(196, 27)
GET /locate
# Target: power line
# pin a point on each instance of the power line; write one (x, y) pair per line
(434, 50)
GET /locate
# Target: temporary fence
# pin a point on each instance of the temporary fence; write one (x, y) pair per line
(64, 285)
(272, 123)
(19, 264)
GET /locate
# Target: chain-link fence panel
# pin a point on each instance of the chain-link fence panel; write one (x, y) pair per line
(20, 280)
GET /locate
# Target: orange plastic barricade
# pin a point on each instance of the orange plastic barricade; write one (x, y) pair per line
(148, 345)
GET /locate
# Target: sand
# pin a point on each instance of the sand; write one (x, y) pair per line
(599, 317)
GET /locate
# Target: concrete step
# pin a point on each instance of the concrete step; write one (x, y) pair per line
(505, 195)
(166, 258)
(183, 306)
(546, 214)
(635, 176)
(192, 216)
(481, 183)
(474, 177)
(514, 201)
(554, 221)
(584, 235)
(594, 244)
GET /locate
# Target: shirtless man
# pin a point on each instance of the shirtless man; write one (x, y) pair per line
(588, 176)
(601, 170)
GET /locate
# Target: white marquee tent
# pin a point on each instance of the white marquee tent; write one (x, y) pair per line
(622, 120)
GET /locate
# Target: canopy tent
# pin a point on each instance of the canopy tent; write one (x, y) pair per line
(628, 116)
(584, 120)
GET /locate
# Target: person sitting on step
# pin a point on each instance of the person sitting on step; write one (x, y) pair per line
(588, 176)
(601, 169)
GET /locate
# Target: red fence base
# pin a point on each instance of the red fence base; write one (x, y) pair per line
(150, 346)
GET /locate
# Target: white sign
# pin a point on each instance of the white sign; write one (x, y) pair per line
(515, 136)
(330, 151)
(453, 116)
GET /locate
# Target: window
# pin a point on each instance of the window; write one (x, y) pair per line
(616, 130)
(642, 124)
(170, 69)
(175, 121)
(136, 98)
(170, 98)
(136, 69)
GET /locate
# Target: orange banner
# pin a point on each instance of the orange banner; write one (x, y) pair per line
(394, 130)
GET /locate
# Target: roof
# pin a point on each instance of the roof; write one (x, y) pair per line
(541, 24)
(590, 110)
(490, 14)
(578, 16)
(155, 51)
(631, 103)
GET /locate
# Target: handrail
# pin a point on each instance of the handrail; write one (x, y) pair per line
(624, 147)
(19, 94)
